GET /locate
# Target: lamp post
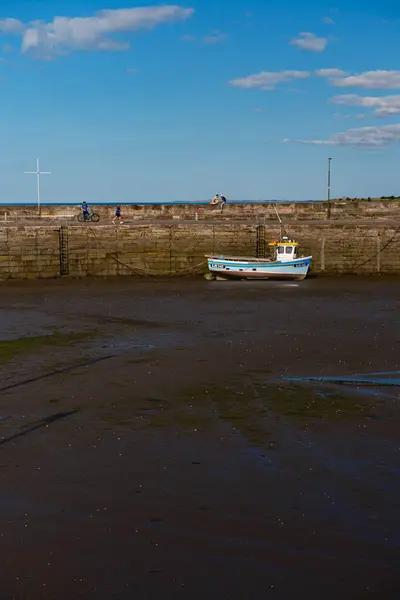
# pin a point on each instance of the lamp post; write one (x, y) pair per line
(329, 187)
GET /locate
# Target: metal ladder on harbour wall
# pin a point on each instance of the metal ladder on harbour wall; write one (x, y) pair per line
(260, 241)
(64, 254)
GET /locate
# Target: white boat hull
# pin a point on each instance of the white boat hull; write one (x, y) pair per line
(254, 268)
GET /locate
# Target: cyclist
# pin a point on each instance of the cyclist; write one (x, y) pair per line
(85, 210)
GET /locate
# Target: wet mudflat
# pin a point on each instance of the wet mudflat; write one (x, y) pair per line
(193, 439)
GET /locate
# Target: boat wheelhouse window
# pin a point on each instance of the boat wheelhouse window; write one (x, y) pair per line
(281, 250)
(289, 249)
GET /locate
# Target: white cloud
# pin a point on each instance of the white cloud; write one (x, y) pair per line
(267, 80)
(328, 21)
(369, 80)
(384, 106)
(11, 26)
(309, 41)
(215, 38)
(64, 34)
(329, 73)
(362, 137)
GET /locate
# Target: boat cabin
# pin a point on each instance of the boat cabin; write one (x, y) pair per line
(286, 249)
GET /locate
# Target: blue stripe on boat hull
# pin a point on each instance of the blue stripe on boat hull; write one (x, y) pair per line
(246, 265)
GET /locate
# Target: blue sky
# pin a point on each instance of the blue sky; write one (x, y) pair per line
(128, 101)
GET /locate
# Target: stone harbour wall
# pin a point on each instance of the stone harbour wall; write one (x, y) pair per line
(179, 249)
(29, 252)
(190, 212)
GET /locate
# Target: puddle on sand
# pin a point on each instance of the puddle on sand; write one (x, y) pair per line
(124, 343)
(121, 346)
(367, 386)
(368, 379)
(380, 373)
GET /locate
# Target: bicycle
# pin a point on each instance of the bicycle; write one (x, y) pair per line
(92, 216)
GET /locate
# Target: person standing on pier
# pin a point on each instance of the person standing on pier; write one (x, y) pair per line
(218, 200)
(215, 200)
(117, 216)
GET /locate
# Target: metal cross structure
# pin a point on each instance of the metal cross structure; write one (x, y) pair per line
(329, 187)
(38, 173)
(329, 178)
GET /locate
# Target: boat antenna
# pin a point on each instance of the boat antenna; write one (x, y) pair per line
(280, 222)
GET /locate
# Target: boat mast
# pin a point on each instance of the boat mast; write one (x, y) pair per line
(280, 222)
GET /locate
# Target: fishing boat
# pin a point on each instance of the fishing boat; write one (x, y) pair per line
(286, 263)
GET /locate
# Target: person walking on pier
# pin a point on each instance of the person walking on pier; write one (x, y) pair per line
(117, 216)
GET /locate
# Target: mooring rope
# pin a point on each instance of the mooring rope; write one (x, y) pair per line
(198, 268)
(397, 231)
(195, 269)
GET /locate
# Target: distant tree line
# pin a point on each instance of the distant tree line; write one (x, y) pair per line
(369, 199)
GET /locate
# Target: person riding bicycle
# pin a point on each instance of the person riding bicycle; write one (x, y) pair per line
(85, 210)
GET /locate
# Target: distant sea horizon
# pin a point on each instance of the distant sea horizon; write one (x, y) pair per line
(143, 202)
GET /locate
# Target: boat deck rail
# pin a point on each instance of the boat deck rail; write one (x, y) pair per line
(237, 258)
